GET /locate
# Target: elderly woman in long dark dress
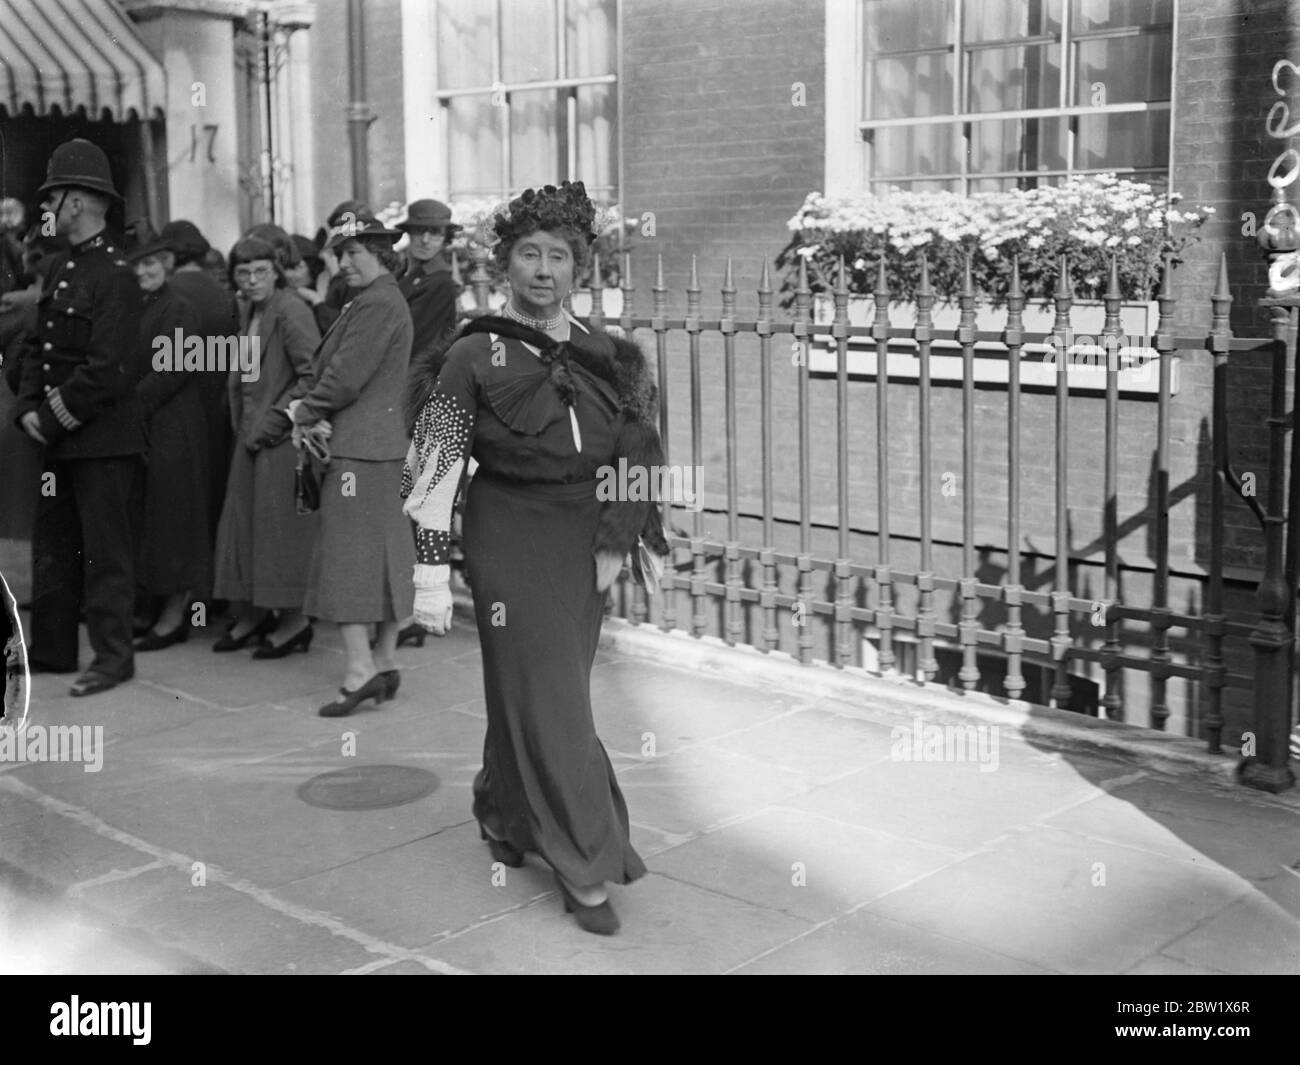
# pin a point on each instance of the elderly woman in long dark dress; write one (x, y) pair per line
(543, 405)
(360, 569)
(263, 543)
(175, 546)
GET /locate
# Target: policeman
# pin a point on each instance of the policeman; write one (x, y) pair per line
(77, 400)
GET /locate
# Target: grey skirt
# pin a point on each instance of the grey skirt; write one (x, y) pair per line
(263, 545)
(363, 562)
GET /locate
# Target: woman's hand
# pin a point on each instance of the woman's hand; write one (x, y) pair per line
(608, 566)
(433, 602)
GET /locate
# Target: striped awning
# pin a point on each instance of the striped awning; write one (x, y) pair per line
(68, 54)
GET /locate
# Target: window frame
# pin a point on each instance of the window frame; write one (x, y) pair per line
(565, 105)
(848, 158)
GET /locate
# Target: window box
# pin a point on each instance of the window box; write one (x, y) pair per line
(1139, 373)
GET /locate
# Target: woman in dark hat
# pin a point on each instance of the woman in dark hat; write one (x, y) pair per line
(544, 405)
(336, 290)
(174, 563)
(360, 569)
(263, 544)
(426, 282)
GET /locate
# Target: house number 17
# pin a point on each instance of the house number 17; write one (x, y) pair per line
(211, 130)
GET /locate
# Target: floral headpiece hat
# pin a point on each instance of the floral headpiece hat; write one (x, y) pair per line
(547, 208)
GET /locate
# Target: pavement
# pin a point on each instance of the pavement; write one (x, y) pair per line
(793, 819)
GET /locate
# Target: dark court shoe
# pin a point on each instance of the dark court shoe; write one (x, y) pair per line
(238, 643)
(413, 634)
(92, 682)
(156, 641)
(600, 920)
(299, 641)
(375, 688)
(502, 850)
(392, 681)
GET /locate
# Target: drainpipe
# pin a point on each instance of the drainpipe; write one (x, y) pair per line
(359, 113)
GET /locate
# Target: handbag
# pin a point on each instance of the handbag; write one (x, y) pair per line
(313, 461)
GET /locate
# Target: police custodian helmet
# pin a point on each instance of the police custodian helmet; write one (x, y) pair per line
(79, 164)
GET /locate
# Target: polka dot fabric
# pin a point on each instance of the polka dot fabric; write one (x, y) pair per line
(439, 448)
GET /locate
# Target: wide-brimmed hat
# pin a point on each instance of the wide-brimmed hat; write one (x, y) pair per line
(79, 164)
(428, 214)
(364, 225)
(348, 208)
(183, 238)
(141, 240)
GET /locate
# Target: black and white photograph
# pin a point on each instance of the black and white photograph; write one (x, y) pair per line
(652, 487)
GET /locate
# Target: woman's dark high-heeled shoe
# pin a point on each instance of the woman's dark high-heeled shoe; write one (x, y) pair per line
(156, 641)
(392, 681)
(600, 920)
(412, 634)
(502, 850)
(374, 688)
(238, 643)
(299, 641)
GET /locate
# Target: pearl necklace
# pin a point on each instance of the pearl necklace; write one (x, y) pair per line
(542, 325)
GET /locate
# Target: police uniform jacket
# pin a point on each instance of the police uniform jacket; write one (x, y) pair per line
(81, 367)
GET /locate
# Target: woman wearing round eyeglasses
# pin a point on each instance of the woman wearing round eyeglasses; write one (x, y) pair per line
(264, 545)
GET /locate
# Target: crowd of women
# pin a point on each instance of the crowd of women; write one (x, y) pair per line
(359, 367)
(333, 331)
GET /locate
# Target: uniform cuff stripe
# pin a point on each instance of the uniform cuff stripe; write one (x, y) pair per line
(61, 411)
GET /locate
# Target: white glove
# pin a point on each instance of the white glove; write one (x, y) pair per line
(608, 567)
(433, 602)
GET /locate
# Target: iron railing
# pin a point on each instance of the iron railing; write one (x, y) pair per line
(864, 584)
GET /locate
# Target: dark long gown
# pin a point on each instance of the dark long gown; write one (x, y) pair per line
(175, 547)
(547, 784)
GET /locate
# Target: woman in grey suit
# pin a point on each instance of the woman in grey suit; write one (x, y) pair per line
(362, 564)
(263, 544)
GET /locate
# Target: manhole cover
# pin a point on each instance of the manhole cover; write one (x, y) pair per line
(368, 787)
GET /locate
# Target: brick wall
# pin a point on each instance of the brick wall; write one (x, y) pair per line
(1225, 55)
(712, 143)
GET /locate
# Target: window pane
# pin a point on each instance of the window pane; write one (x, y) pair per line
(464, 41)
(908, 86)
(1125, 140)
(535, 138)
(1030, 144)
(1109, 14)
(1015, 79)
(474, 146)
(597, 136)
(999, 20)
(591, 39)
(901, 25)
(527, 40)
(1123, 70)
(915, 150)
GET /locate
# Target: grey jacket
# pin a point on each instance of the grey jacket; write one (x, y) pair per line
(361, 369)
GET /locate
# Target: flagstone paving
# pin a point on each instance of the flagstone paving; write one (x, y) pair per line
(786, 830)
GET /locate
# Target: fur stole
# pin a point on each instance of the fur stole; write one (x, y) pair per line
(625, 370)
